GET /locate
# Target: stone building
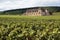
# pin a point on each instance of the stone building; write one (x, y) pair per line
(36, 12)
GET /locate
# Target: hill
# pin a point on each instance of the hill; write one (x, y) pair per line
(21, 11)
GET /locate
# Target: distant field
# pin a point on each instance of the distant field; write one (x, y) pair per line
(54, 16)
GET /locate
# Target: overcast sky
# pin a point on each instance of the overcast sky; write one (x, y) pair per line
(14, 4)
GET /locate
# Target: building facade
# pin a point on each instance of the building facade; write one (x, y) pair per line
(36, 12)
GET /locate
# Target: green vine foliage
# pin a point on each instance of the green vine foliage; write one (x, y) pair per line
(12, 29)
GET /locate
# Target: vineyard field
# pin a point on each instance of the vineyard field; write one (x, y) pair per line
(15, 27)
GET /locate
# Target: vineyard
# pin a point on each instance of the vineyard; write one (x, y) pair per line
(29, 28)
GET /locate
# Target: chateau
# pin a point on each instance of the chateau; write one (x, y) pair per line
(36, 11)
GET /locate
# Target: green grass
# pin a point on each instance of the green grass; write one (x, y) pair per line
(54, 16)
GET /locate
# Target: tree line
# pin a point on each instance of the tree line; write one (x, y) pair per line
(21, 11)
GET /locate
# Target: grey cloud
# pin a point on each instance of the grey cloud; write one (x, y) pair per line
(8, 0)
(13, 4)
